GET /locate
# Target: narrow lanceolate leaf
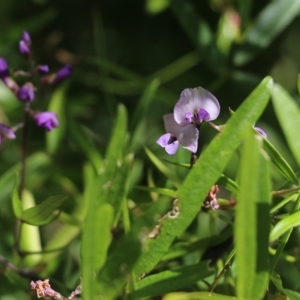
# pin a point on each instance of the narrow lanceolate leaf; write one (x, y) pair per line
(197, 296)
(288, 114)
(172, 280)
(43, 213)
(57, 104)
(204, 174)
(95, 242)
(16, 202)
(280, 163)
(284, 225)
(252, 222)
(161, 191)
(272, 20)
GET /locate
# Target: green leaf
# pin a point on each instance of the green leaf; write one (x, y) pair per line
(118, 136)
(204, 174)
(284, 225)
(95, 242)
(34, 163)
(197, 296)
(280, 163)
(271, 21)
(252, 222)
(91, 152)
(58, 105)
(288, 114)
(171, 280)
(228, 183)
(144, 102)
(161, 191)
(16, 202)
(42, 213)
(163, 168)
(292, 295)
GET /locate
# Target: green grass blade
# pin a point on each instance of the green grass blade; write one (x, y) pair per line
(252, 224)
(288, 114)
(170, 280)
(197, 296)
(58, 105)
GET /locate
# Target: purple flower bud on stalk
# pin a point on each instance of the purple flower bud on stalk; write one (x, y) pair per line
(195, 106)
(26, 38)
(261, 131)
(26, 93)
(4, 72)
(186, 135)
(64, 73)
(43, 69)
(47, 120)
(6, 132)
(24, 49)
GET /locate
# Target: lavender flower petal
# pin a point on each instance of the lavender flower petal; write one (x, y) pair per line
(64, 73)
(188, 138)
(192, 100)
(261, 131)
(24, 49)
(26, 38)
(26, 93)
(6, 132)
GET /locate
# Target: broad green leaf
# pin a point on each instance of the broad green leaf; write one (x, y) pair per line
(172, 280)
(163, 168)
(115, 274)
(35, 162)
(280, 163)
(43, 213)
(16, 202)
(284, 225)
(109, 191)
(198, 296)
(95, 242)
(161, 191)
(288, 114)
(292, 295)
(57, 105)
(252, 222)
(204, 174)
(271, 21)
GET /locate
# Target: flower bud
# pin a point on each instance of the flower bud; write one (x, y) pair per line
(26, 93)
(46, 119)
(26, 38)
(43, 69)
(64, 73)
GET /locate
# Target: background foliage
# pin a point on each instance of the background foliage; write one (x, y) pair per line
(132, 59)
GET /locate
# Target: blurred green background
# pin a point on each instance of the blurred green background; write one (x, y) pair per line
(124, 51)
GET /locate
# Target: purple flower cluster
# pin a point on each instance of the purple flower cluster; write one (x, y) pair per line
(194, 106)
(26, 92)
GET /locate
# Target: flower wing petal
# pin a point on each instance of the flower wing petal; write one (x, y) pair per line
(163, 140)
(188, 138)
(171, 126)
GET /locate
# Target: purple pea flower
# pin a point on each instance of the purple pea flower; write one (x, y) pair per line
(186, 135)
(4, 72)
(46, 119)
(26, 93)
(6, 132)
(195, 106)
(64, 73)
